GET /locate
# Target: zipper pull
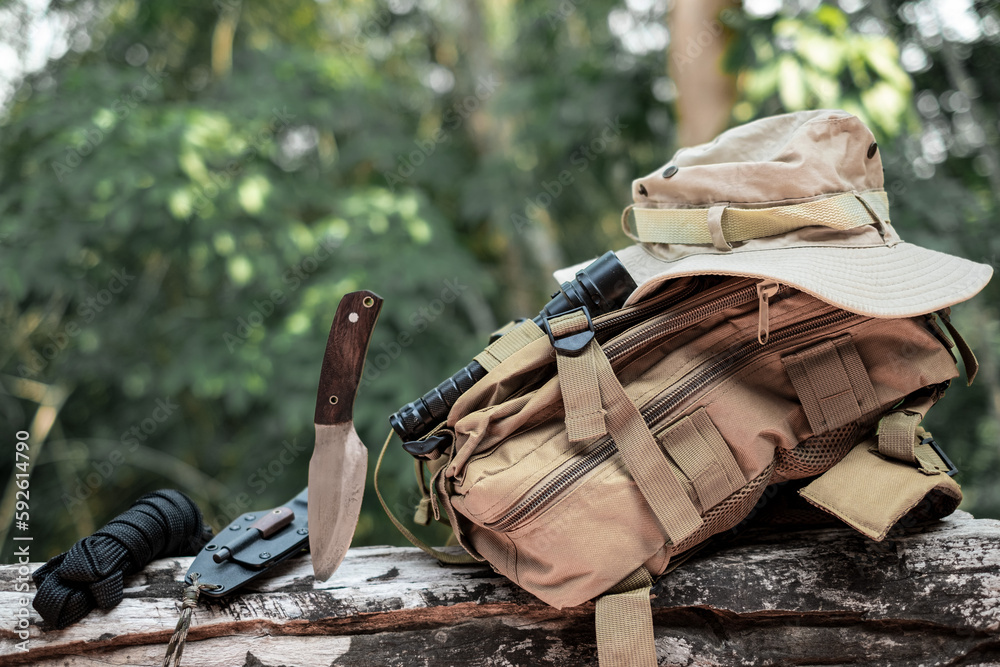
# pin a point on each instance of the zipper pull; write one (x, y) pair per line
(765, 290)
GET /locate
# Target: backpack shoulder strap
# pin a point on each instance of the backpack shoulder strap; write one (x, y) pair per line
(511, 341)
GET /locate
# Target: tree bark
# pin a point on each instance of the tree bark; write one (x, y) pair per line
(804, 598)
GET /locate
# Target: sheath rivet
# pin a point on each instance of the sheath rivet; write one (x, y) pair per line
(234, 527)
(211, 547)
(264, 555)
(302, 531)
(250, 517)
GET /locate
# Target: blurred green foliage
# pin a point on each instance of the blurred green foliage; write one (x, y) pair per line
(186, 194)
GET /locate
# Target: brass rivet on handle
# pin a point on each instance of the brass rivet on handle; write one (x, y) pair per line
(872, 149)
(368, 302)
(333, 400)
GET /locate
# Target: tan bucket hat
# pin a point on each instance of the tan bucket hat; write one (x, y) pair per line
(796, 198)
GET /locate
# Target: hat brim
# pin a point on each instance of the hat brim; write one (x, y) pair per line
(902, 280)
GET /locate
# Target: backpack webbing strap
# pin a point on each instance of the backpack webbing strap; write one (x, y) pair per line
(897, 438)
(624, 622)
(832, 383)
(900, 437)
(643, 457)
(578, 381)
(699, 450)
(509, 343)
(443, 556)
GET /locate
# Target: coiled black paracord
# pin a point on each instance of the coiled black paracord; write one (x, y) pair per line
(91, 574)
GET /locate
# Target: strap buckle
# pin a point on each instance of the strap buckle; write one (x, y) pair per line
(573, 342)
(431, 447)
(952, 468)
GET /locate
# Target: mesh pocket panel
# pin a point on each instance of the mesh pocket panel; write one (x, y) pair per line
(817, 454)
(729, 512)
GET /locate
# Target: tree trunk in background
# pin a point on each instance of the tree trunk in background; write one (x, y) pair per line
(537, 241)
(705, 94)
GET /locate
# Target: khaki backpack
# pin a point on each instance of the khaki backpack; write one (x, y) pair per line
(596, 452)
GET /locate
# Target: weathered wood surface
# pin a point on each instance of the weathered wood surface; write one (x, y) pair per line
(930, 597)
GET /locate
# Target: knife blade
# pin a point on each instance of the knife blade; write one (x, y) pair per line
(339, 463)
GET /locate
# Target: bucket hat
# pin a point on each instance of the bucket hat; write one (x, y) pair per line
(796, 198)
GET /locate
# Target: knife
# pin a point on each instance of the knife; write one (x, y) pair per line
(339, 464)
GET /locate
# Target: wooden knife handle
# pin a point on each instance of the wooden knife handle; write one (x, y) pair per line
(273, 521)
(344, 359)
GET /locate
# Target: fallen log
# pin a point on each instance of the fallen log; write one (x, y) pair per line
(927, 597)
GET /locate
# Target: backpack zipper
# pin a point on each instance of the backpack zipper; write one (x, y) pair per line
(566, 477)
(656, 411)
(669, 323)
(641, 310)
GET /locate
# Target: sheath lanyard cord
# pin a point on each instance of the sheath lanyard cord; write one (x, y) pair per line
(189, 601)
